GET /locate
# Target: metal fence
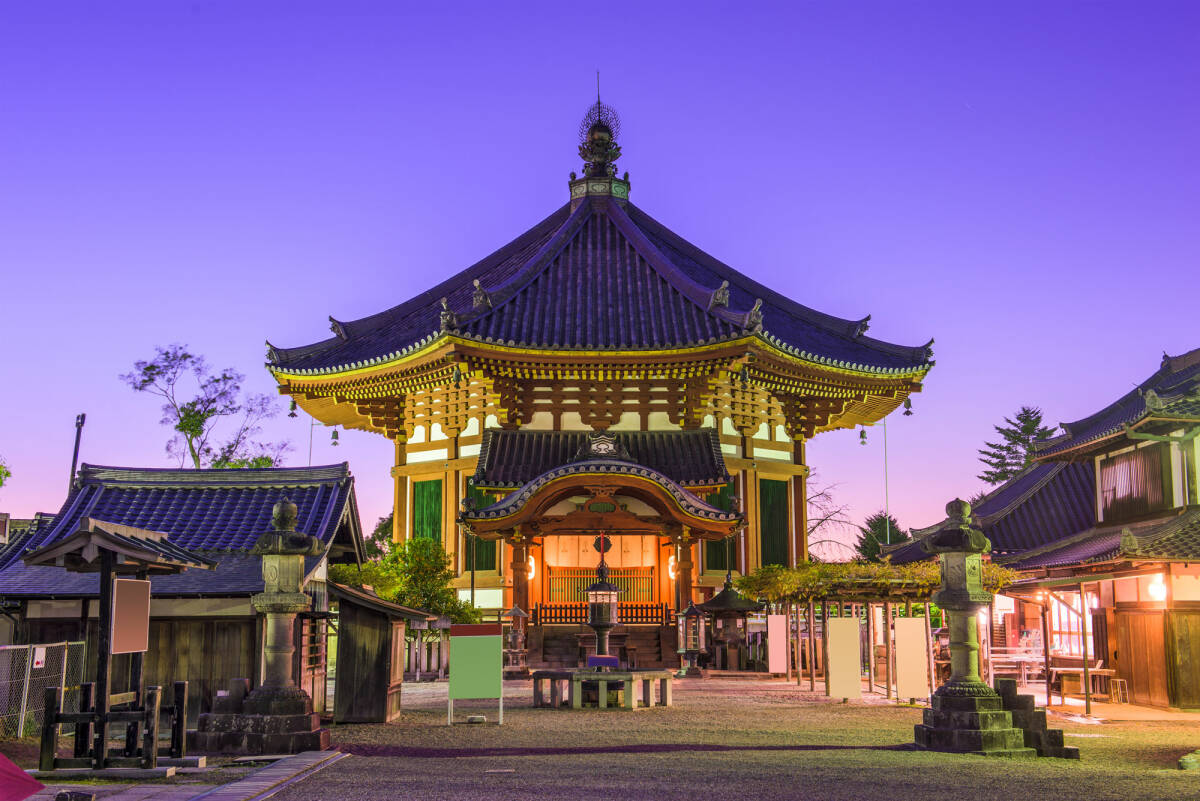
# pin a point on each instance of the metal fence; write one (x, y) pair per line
(25, 673)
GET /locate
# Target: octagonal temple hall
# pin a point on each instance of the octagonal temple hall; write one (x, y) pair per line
(599, 373)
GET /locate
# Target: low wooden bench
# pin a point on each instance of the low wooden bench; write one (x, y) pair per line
(637, 686)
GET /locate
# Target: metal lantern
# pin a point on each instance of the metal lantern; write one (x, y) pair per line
(690, 629)
(603, 607)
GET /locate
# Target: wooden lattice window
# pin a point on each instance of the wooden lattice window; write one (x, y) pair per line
(1135, 483)
(427, 509)
(773, 521)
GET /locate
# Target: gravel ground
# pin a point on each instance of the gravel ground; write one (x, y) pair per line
(725, 738)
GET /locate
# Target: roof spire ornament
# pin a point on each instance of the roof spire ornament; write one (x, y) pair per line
(598, 134)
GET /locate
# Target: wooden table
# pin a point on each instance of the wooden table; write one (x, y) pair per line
(638, 687)
(1093, 673)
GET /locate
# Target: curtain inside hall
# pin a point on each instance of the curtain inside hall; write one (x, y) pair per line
(773, 521)
(485, 550)
(427, 509)
(718, 555)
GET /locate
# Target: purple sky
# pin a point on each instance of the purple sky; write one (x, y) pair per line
(1018, 180)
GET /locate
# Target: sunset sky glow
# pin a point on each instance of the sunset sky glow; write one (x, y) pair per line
(1018, 180)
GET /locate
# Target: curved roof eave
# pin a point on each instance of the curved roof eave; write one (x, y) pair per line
(696, 278)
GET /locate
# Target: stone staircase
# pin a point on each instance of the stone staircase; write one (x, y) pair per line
(1032, 721)
(560, 648)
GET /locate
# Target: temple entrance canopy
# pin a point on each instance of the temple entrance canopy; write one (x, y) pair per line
(646, 522)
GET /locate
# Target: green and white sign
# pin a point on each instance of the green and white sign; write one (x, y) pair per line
(476, 665)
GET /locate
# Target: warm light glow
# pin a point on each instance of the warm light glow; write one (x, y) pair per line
(1094, 601)
(671, 566)
(983, 616)
(532, 568)
(1157, 590)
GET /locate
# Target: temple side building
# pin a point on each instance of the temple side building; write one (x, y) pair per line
(1104, 529)
(600, 373)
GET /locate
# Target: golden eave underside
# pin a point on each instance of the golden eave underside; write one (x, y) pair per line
(748, 381)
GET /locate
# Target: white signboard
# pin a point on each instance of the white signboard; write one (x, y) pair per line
(777, 643)
(912, 658)
(130, 616)
(39, 657)
(843, 668)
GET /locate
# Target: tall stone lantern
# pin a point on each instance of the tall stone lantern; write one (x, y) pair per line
(966, 715)
(276, 717)
(282, 551)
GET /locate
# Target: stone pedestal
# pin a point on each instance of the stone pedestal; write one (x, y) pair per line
(275, 723)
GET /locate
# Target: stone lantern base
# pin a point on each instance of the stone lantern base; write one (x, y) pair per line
(972, 724)
(270, 720)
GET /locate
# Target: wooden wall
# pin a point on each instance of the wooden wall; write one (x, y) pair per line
(207, 653)
(1183, 658)
(370, 666)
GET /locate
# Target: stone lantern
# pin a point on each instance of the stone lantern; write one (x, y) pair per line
(690, 631)
(966, 715)
(277, 716)
(603, 607)
(282, 551)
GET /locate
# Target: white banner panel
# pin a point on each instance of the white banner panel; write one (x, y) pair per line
(777, 642)
(843, 669)
(912, 658)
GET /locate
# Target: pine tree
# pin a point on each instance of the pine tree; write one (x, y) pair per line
(1015, 450)
(878, 529)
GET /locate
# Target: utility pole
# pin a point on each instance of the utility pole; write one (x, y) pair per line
(80, 419)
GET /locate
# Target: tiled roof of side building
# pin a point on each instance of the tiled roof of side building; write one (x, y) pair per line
(1175, 537)
(510, 459)
(601, 279)
(1044, 503)
(1173, 391)
(216, 513)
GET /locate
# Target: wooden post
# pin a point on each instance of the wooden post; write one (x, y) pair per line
(810, 624)
(83, 731)
(1083, 635)
(150, 728)
(930, 648)
(179, 721)
(825, 642)
(53, 703)
(1046, 654)
(887, 639)
(103, 660)
(870, 647)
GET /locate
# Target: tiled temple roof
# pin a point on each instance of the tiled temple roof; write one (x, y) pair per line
(509, 459)
(1172, 538)
(216, 513)
(1042, 504)
(600, 278)
(1173, 392)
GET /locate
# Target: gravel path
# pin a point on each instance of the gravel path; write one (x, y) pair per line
(726, 739)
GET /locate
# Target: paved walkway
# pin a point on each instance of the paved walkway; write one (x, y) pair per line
(259, 784)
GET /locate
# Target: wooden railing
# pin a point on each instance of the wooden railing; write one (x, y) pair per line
(567, 584)
(631, 614)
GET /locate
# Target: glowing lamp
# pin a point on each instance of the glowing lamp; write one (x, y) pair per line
(532, 568)
(671, 566)
(1157, 590)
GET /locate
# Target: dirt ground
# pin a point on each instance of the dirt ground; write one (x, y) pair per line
(726, 739)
